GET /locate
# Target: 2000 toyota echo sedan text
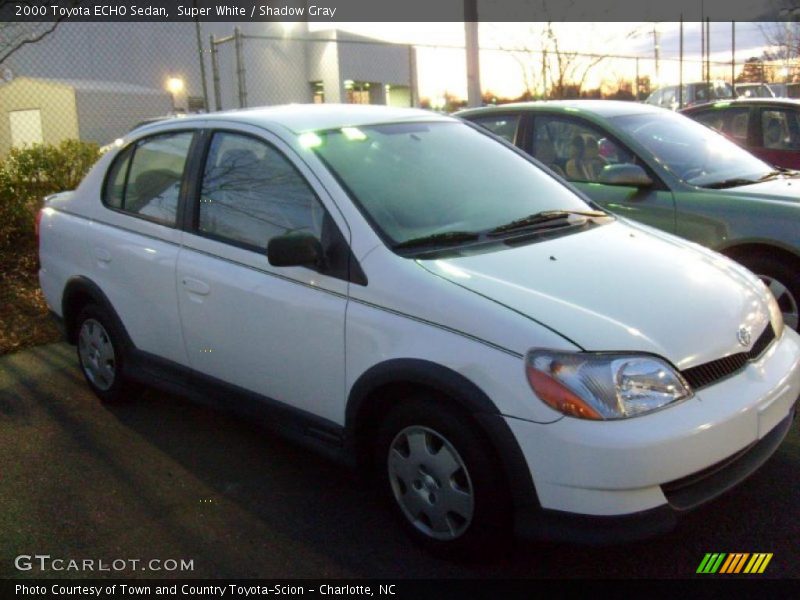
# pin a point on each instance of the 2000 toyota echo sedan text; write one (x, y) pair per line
(406, 293)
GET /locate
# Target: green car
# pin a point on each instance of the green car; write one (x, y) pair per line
(665, 170)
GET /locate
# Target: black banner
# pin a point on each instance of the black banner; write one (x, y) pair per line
(333, 11)
(207, 589)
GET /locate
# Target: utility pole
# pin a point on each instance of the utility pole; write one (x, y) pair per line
(656, 50)
(708, 50)
(680, 68)
(733, 53)
(702, 41)
(473, 52)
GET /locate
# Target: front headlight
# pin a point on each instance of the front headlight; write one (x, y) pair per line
(604, 386)
(775, 313)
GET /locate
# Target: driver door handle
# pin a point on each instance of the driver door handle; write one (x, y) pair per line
(195, 286)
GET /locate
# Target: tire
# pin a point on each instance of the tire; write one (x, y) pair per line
(443, 480)
(101, 356)
(783, 281)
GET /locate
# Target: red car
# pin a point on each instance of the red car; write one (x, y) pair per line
(767, 127)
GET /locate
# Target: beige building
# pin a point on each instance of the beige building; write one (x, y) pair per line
(36, 110)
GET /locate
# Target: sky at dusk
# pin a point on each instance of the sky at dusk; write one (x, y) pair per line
(441, 65)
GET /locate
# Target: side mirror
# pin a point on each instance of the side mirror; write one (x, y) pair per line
(630, 175)
(295, 250)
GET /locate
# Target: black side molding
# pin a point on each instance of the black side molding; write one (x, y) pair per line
(317, 433)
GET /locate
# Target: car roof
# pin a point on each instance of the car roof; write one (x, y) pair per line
(315, 117)
(723, 103)
(602, 108)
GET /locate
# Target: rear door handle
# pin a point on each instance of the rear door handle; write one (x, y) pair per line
(195, 286)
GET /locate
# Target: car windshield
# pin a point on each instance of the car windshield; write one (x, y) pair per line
(427, 178)
(693, 152)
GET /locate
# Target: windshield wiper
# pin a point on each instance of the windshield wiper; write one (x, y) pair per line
(737, 181)
(546, 219)
(773, 174)
(439, 239)
(729, 183)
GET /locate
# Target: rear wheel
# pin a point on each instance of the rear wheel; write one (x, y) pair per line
(783, 282)
(101, 357)
(443, 480)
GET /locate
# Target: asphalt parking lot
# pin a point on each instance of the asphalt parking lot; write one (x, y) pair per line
(163, 478)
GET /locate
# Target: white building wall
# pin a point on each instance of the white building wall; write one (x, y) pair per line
(323, 65)
(104, 116)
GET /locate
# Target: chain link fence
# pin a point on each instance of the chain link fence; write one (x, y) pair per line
(96, 81)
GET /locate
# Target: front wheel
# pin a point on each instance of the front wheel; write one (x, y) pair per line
(443, 479)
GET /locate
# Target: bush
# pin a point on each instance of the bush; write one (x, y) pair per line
(29, 174)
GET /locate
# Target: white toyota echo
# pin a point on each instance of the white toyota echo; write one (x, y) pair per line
(414, 296)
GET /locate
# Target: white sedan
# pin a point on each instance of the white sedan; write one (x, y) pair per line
(409, 295)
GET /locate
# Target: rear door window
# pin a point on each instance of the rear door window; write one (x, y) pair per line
(733, 122)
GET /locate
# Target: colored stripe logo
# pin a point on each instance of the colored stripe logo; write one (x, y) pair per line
(735, 562)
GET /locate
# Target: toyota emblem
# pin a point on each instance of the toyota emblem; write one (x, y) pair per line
(743, 335)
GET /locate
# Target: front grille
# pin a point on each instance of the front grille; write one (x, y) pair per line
(711, 372)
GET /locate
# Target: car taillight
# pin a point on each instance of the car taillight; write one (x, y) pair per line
(36, 225)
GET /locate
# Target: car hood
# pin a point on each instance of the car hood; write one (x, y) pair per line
(785, 189)
(617, 287)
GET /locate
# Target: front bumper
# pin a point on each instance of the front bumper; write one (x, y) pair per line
(646, 470)
(681, 495)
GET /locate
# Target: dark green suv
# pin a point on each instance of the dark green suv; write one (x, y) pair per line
(663, 169)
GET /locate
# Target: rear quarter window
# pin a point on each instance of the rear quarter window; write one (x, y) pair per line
(145, 179)
(503, 125)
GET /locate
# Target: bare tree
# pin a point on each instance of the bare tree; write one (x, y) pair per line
(784, 41)
(547, 65)
(17, 34)
(569, 69)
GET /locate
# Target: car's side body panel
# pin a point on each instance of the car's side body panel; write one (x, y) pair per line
(135, 270)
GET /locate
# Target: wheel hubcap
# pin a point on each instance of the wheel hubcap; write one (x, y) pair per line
(97, 354)
(430, 482)
(786, 301)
